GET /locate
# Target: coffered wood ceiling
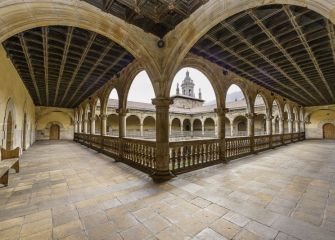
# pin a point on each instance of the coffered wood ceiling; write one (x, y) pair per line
(287, 49)
(62, 66)
(155, 16)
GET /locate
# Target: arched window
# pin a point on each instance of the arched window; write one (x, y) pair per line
(237, 105)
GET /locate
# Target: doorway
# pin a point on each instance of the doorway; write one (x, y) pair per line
(329, 131)
(9, 137)
(54, 132)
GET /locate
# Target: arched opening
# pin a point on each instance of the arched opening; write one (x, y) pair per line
(329, 131)
(276, 117)
(197, 128)
(240, 126)
(209, 127)
(287, 118)
(113, 118)
(113, 125)
(228, 129)
(187, 128)
(133, 126)
(24, 132)
(237, 106)
(54, 132)
(149, 127)
(98, 117)
(175, 128)
(9, 131)
(192, 94)
(260, 109)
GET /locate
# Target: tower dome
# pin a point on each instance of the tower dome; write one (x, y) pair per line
(188, 86)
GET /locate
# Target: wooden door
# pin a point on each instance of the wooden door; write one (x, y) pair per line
(328, 131)
(54, 132)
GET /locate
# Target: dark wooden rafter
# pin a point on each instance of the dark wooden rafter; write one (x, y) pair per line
(304, 41)
(59, 63)
(93, 68)
(237, 55)
(99, 78)
(46, 62)
(294, 59)
(63, 62)
(30, 66)
(80, 63)
(288, 57)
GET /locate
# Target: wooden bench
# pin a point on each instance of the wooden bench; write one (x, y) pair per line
(9, 159)
(4, 172)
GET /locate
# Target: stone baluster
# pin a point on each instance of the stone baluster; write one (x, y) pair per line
(162, 171)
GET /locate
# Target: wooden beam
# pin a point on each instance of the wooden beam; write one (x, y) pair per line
(64, 58)
(287, 55)
(259, 70)
(308, 48)
(30, 66)
(46, 62)
(81, 61)
(101, 76)
(92, 69)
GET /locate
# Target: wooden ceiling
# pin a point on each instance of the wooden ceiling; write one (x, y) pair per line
(155, 16)
(62, 66)
(287, 49)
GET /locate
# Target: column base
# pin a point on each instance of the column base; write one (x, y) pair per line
(162, 176)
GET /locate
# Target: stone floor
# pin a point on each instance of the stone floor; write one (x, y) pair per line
(66, 191)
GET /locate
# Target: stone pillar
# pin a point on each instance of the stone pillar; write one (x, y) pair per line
(202, 129)
(170, 127)
(290, 125)
(141, 130)
(79, 126)
(122, 122)
(93, 125)
(192, 134)
(251, 130)
(281, 125)
(85, 126)
(269, 125)
(297, 126)
(162, 171)
(231, 129)
(75, 126)
(103, 124)
(181, 128)
(221, 132)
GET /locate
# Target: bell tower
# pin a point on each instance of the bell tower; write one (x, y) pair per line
(187, 86)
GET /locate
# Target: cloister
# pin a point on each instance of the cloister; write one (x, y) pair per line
(97, 167)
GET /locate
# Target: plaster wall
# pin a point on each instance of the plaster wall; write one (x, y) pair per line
(14, 98)
(317, 117)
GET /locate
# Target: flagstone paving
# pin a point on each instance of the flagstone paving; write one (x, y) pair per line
(66, 191)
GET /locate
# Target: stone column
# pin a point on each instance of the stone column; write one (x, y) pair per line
(122, 122)
(85, 126)
(141, 130)
(269, 125)
(221, 132)
(162, 171)
(93, 125)
(192, 134)
(181, 128)
(251, 130)
(75, 126)
(281, 125)
(290, 125)
(231, 129)
(170, 127)
(79, 126)
(297, 126)
(202, 129)
(103, 124)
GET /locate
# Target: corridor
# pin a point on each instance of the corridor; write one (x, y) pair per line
(66, 191)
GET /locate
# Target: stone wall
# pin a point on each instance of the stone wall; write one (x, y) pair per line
(46, 116)
(316, 118)
(15, 101)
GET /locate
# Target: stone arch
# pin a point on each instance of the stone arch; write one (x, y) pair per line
(245, 94)
(76, 14)
(113, 124)
(260, 124)
(107, 94)
(175, 126)
(187, 125)
(209, 127)
(265, 100)
(210, 70)
(197, 127)
(228, 130)
(133, 126)
(240, 124)
(9, 125)
(149, 126)
(277, 103)
(219, 10)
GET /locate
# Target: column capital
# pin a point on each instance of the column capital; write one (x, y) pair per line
(93, 118)
(269, 118)
(221, 111)
(122, 111)
(162, 102)
(103, 116)
(290, 120)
